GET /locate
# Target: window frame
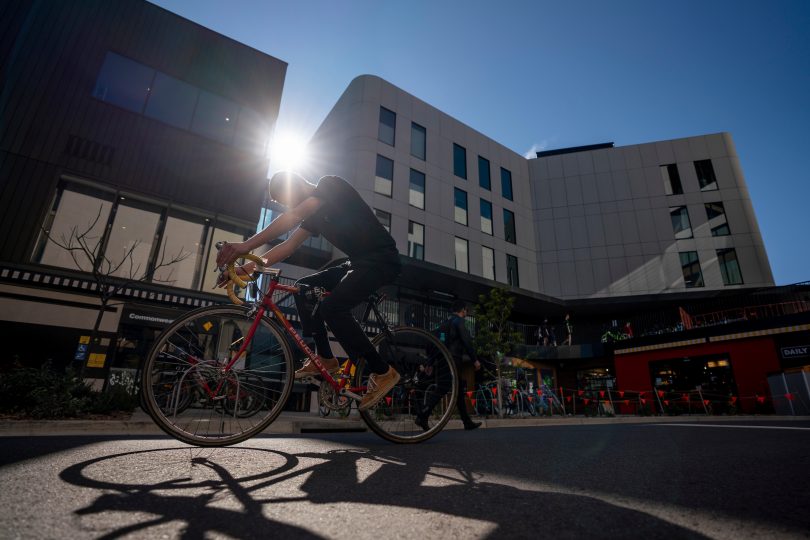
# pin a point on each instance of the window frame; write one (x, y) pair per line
(459, 160)
(423, 176)
(506, 226)
(484, 165)
(465, 208)
(418, 128)
(512, 271)
(383, 127)
(700, 282)
(724, 270)
(413, 245)
(377, 178)
(466, 243)
(506, 182)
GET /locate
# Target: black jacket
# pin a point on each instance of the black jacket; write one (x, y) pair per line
(453, 333)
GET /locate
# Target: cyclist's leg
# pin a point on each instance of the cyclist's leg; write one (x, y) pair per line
(313, 325)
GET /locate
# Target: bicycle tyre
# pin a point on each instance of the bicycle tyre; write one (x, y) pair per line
(393, 417)
(197, 346)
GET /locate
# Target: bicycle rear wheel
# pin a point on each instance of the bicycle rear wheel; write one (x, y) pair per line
(427, 375)
(230, 406)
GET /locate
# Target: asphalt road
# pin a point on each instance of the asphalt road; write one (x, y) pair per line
(625, 481)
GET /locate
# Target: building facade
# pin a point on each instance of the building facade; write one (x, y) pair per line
(131, 138)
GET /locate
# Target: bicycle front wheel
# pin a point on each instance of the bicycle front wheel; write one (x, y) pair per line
(428, 378)
(229, 405)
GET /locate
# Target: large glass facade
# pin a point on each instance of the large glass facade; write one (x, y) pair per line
(171, 101)
(460, 213)
(131, 238)
(123, 82)
(416, 192)
(215, 117)
(384, 178)
(184, 236)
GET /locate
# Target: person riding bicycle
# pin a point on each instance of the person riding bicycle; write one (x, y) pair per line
(335, 210)
(455, 336)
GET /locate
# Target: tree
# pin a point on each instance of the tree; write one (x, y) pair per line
(110, 277)
(494, 336)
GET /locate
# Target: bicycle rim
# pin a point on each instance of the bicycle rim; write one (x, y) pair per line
(186, 364)
(427, 374)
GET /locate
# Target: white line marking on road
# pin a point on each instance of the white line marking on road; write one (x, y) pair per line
(730, 426)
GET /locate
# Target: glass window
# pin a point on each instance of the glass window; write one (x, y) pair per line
(483, 173)
(384, 218)
(512, 271)
(131, 239)
(459, 161)
(716, 214)
(416, 195)
(486, 216)
(462, 261)
(171, 101)
(79, 213)
(384, 180)
(123, 82)
(461, 206)
(418, 141)
(388, 126)
(506, 184)
(672, 180)
(183, 237)
(215, 117)
(488, 257)
(509, 226)
(252, 132)
(680, 222)
(705, 174)
(729, 267)
(690, 265)
(416, 240)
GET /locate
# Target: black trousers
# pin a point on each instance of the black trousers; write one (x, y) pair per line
(349, 284)
(442, 388)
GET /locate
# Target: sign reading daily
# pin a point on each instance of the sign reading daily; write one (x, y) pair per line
(798, 351)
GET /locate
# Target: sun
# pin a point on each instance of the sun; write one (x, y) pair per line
(288, 151)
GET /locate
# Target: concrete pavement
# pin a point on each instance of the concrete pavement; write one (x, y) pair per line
(300, 422)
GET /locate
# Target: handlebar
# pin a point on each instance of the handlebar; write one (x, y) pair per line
(236, 279)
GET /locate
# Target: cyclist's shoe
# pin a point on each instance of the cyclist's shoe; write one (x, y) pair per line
(311, 370)
(472, 425)
(421, 420)
(377, 386)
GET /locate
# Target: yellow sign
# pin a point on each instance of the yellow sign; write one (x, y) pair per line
(84, 339)
(207, 326)
(96, 360)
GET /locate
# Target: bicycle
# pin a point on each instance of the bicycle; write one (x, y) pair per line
(239, 354)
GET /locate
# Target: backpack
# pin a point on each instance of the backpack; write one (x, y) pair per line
(446, 331)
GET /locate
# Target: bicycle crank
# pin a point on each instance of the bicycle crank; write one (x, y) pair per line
(330, 399)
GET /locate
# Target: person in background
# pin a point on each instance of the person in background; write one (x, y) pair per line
(569, 330)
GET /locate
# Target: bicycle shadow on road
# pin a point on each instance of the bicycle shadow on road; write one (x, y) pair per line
(212, 494)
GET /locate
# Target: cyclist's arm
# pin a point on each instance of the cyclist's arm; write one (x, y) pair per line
(281, 225)
(279, 252)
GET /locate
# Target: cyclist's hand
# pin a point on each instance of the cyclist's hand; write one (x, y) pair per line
(228, 252)
(242, 271)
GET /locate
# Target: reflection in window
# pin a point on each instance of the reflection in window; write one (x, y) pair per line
(416, 194)
(716, 214)
(462, 260)
(512, 271)
(418, 141)
(705, 175)
(459, 161)
(488, 258)
(690, 265)
(416, 240)
(460, 214)
(672, 180)
(729, 266)
(184, 237)
(215, 117)
(384, 218)
(509, 226)
(483, 173)
(172, 101)
(388, 126)
(131, 237)
(77, 211)
(486, 216)
(506, 184)
(384, 179)
(123, 82)
(680, 222)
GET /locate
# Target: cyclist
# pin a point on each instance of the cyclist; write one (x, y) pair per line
(458, 341)
(335, 210)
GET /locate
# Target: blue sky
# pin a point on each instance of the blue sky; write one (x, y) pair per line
(542, 74)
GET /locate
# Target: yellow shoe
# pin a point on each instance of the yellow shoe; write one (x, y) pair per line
(311, 370)
(377, 387)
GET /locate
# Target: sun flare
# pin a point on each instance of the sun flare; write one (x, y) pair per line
(288, 151)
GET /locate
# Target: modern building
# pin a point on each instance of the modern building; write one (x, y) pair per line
(138, 135)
